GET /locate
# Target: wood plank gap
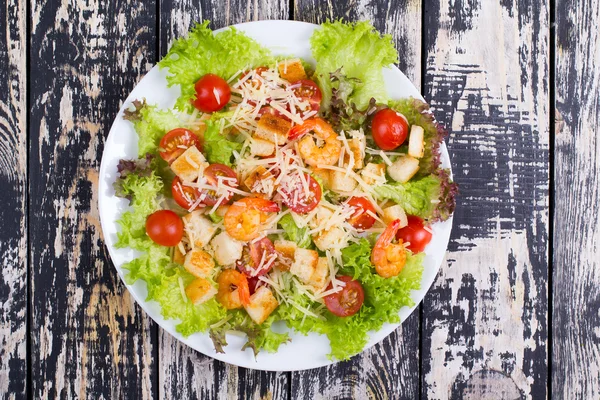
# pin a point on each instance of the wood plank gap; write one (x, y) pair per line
(291, 9)
(28, 102)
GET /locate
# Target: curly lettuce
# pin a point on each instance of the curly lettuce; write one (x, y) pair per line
(202, 52)
(217, 147)
(361, 51)
(300, 236)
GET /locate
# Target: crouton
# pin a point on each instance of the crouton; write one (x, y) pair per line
(305, 262)
(319, 276)
(393, 213)
(285, 257)
(292, 70)
(373, 174)
(357, 147)
(261, 147)
(416, 144)
(403, 169)
(333, 237)
(198, 228)
(178, 256)
(199, 263)
(226, 249)
(273, 128)
(340, 182)
(189, 165)
(262, 304)
(259, 173)
(323, 174)
(200, 291)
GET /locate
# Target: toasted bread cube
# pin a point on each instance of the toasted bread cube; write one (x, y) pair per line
(286, 250)
(200, 291)
(305, 262)
(333, 237)
(321, 217)
(262, 304)
(273, 128)
(323, 174)
(291, 70)
(198, 228)
(178, 256)
(319, 277)
(403, 169)
(259, 173)
(341, 182)
(189, 165)
(261, 147)
(373, 174)
(416, 143)
(227, 250)
(199, 263)
(393, 213)
(357, 147)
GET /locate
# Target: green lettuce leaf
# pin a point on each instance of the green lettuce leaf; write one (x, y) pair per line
(217, 147)
(431, 198)
(300, 236)
(203, 52)
(362, 53)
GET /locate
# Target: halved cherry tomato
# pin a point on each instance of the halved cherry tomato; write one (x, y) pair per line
(176, 142)
(361, 219)
(252, 284)
(212, 93)
(389, 129)
(255, 82)
(300, 203)
(308, 90)
(415, 234)
(184, 195)
(164, 227)
(253, 255)
(213, 173)
(347, 301)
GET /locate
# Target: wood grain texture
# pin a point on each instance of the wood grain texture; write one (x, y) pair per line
(185, 373)
(485, 318)
(88, 339)
(391, 368)
(13, 212)
(576, 279)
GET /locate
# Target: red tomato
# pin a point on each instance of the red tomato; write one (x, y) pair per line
(252, 284)
(253, 256)
(165, 228)
(389, 129)
(347, 301)
(361, 219)
(415, 234)
(300, 203)
(256, 83)
(184, 195)
(175, 142)
(212, 93)
(308, 90)
(212, 174)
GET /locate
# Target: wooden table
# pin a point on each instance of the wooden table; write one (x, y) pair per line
(514, 312)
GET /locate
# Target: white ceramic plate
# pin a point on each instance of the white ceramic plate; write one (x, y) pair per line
(303, 352)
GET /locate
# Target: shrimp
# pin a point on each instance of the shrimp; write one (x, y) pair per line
(316, 154)
(389, 258)
(234, 291)
(244, 218)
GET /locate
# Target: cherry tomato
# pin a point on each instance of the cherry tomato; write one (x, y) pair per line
(347, 301)
(165, 228)
(361, 219)
(212, 93)
(184, 195)
(300, 203)
(308, 90)
(212, 174)
(176, 142)
(255, 82)
(389, 129)
(252, 284)
(252, 257)
(415, 234)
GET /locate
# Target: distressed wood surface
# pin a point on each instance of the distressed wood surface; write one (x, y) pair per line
(88, 338)
(13, 212)
(185, 373)
(576, 279)
(485, 319)
(391, 368)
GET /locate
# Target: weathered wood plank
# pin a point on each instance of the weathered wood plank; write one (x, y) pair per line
(391, 368)
(576, 277)
(184, 372)
(89, 340)
(13, 213)
(485, 319)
